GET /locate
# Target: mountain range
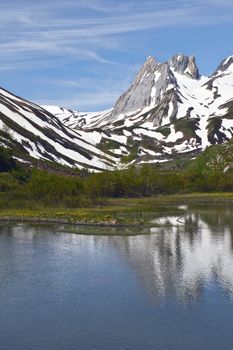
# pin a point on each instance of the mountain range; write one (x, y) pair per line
(170, 111)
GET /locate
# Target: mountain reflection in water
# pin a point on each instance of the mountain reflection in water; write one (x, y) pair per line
(182, 258)
(171, 288)
(178, 257)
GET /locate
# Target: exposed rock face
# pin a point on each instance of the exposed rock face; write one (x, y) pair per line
(185, 65)
(138, 95)
(224, 65)
(149, 66)
(147, 89)
(152, 81)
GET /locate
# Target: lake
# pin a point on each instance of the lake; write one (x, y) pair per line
(169, 288)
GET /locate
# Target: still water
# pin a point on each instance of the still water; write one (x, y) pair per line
(171, 288)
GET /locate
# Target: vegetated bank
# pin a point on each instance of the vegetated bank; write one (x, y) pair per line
(111, 197)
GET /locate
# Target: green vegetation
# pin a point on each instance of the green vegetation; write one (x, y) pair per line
(7, 163)
(111, 197)
(117, 212)
(187, 127)
(107, 145)
(215, 159)
(164, 130)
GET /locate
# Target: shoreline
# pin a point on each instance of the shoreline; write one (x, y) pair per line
(66, 222)
(117, 213)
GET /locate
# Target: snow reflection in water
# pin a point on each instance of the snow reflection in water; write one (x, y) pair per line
(66, 291)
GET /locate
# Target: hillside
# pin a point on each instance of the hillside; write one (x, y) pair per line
(169, 112)
(31, 132)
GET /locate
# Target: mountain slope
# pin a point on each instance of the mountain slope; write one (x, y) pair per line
(169, 111)
(32, 132)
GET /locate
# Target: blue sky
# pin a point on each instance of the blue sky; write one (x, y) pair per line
(83, 53)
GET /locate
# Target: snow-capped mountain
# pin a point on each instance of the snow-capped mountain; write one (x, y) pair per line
(32, 132)
(169, 111)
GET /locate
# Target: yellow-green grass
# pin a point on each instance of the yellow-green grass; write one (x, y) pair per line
(122, 211)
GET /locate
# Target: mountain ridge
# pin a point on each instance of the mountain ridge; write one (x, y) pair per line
(170, 111)
(33, 132)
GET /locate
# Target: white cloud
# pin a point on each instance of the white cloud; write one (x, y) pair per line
(86, 93)
(54, 33)
(34, 29)
(85, 102)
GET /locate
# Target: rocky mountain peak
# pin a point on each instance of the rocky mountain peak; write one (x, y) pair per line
(149, 66)
(185, 65)
(166, 114)
(147, 88)
(225, 64)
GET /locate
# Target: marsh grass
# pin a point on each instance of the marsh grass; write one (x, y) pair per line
(121, 211)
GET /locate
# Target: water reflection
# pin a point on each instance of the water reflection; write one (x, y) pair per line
(183, 257)
(170, 289)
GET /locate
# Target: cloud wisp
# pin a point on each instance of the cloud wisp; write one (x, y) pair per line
(58, 30)
(86, 94)
(53, 44)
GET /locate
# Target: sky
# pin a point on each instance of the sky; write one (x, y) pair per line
(83, 54)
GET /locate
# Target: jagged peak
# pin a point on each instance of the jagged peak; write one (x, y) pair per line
(185, 65)
(149, 66)
(224, 65)
(179, 63)
(229, 58)
(150, 59)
